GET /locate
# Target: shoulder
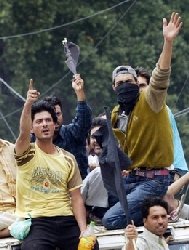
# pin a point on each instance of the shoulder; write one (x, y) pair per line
(26, 156)
(4, 143)
(142, 243)
(68, 156)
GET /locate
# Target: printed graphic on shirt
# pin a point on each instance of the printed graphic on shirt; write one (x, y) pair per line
(46, 180)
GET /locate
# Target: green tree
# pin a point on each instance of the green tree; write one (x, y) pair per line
(128, 34)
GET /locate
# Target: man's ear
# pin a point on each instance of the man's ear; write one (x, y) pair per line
(31, 130)
(144, 220)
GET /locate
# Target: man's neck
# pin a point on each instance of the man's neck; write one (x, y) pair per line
(46, 146)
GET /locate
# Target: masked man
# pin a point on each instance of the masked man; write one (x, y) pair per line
(141, 124)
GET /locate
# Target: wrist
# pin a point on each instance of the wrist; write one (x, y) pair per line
(80, 96)
(82, 228)
(168, 41)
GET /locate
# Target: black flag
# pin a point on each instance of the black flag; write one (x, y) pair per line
(72, 53)
(112, 161)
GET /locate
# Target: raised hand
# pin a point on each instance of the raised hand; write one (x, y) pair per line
(172, 28)
(131, 232)
(32, 94)
(77, 83)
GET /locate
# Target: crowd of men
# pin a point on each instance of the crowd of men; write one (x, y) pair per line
(42, 174)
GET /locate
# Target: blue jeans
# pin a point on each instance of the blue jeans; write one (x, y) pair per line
(137, 189)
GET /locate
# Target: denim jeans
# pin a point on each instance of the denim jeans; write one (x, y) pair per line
(137, 189)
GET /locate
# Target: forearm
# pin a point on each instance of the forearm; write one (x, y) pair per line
(79, 213)
(81, 124)
(23, 140)
(4, 233)
(156, 92)
(165, 57)
(80, 95)
(129, 245)
(25, 119)
(176, 186)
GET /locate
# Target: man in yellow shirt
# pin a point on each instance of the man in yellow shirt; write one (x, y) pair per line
(48, 181)
(7, 187)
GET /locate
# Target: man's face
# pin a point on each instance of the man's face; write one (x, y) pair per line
(157, 220)
(123, 78)
(59, 117)
(43, 125)
(93, 142)
(142, 82)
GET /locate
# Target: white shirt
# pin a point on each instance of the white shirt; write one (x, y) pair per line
(150, 241)
(93, 190)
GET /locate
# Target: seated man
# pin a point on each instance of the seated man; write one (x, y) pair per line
(93, 149)
(179, 164)
(93, 190)
(95, 195)
(7, 187)
(154, 212)
(141, 124)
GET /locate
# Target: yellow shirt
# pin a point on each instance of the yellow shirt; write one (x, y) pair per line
(44, 181)
(7, 177)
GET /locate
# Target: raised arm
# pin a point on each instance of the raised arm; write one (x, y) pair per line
(81, 124)
(78, 86)
(131, 236)
(170, 32)
(23, 140)
(159, 82)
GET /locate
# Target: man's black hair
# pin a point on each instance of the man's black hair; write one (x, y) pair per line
(53, 100)
(42, 105)
(98, 122)
(143, 73)
(151, 202)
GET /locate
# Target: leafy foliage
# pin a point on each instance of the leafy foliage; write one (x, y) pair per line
(128, 34)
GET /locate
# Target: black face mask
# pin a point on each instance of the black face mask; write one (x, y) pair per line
(127, 96)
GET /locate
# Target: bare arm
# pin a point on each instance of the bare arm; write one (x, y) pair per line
(170, 32)
(129, 245)
(157, 90)
(4, 233)
(78, 209)
(78, 86)
(131, 235)
(176, 186)
(23, 140)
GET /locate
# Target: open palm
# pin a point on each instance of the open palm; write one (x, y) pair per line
(171, 29)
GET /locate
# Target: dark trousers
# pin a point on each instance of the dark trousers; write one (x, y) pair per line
(53, 233)
(48, 233)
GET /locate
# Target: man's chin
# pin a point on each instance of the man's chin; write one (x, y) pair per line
(45, 138)
(161, 232)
